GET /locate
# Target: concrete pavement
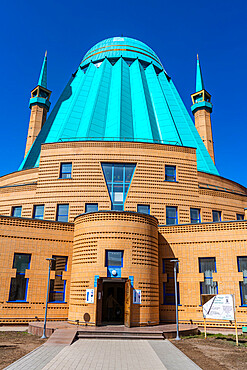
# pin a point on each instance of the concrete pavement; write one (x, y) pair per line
(105, 354)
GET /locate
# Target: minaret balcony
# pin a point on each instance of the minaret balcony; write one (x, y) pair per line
(40, 101)
(202, 105)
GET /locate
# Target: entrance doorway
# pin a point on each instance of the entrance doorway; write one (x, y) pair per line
(113, 301)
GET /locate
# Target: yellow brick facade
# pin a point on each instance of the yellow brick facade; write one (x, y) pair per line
(131, 232)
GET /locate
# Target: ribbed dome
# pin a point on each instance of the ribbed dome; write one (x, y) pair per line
(116, 47)
(121, 95)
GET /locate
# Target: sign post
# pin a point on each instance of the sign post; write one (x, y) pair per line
(220, 307)
(205, 328)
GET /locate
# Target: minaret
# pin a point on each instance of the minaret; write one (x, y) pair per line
(202, 109)
(39, 105)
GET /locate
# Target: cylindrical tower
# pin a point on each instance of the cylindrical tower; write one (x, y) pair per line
(115, 253)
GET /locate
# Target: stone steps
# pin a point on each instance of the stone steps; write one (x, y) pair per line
(148, 335)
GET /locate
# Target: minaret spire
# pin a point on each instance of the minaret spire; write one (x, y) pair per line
(39, 105)
(199, 79)
(43, 73)
(202, 109)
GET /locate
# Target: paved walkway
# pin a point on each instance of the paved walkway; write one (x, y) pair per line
(103, 354)
(13, 328)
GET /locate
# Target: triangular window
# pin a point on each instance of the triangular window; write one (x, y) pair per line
(118, 177)
(129, 61)
(85, 69)
(113, 61)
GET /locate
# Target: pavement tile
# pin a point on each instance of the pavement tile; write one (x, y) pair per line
(105, 354)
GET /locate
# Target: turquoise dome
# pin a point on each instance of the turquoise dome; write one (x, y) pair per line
(121, 92)
(116, 47)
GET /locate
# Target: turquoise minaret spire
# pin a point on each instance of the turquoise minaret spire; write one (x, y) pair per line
(43, 73)
(199, 79)
(202, 109)
(39, 105)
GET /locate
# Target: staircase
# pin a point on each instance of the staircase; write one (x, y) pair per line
(148, 335)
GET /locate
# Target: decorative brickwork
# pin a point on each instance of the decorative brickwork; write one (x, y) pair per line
(148, 186)
(135, 234)
(41, 239)
(115, 231)
(224, 241)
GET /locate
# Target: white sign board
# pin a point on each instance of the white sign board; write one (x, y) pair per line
(220, 307)
(90, 296)
(137, 296)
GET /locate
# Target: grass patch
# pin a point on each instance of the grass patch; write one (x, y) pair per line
(242, 338)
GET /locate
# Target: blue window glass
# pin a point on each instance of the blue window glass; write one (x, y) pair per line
(114, 258)
(240, 217)
(170, 173)
(195, 215)
(216, 216)
(169, 286)
(207, 266)
(65, 170)
(91, 207)
(143, 208)
(19, 284)
(62, 212)
(16, 211)
(171, 216)
(58, 285)
(38, 212)
(242, 267)
(118, 177)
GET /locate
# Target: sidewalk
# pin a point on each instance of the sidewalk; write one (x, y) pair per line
(13, 328)
(107, 355)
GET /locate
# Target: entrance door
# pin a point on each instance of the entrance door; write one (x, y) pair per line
(128, 303)
(113, 302)
(99, 302)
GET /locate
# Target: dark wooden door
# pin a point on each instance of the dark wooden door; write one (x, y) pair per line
(99, 302)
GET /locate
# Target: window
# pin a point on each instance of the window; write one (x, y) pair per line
(242, 267)
(171, 216)
(91, 207)
(19, 284)
(38, 212)
(195, 215)
(118, 177)
(143, 208)
(170, 173)
(169, 286)
(207, 266)
(58, 285)
(240, 217)
(216, 216)
(62, 212)
(114, 259)
(65, 170)
(16, 211)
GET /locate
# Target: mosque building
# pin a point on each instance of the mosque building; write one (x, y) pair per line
(116, 183)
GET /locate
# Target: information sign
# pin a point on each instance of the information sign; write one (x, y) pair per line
(220, 307)
(137, 296)
(90, 296)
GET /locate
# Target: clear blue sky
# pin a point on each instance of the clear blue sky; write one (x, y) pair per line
(175, 30)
